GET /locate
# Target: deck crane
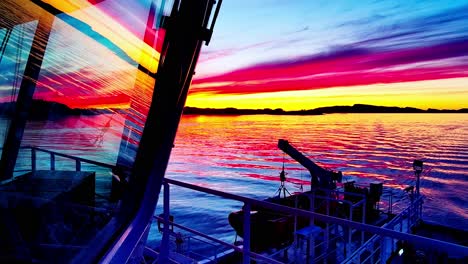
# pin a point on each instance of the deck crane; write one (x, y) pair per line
(320, 177)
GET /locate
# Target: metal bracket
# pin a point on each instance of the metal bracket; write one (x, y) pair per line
(207, 33)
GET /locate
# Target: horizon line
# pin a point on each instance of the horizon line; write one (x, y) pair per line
(331, 106)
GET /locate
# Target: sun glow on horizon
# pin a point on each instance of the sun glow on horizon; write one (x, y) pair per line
(419, 94)
(388, 53)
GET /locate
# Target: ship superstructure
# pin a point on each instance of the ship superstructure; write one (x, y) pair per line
(92, 94)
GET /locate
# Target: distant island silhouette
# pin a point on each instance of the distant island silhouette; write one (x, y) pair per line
(357, 108)
(46, 110)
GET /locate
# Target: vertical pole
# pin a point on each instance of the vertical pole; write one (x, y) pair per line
(418, 175)
(350, 233)
(296, 204)
(363, 221)
(312, 207)
(246, 248)
(33, 159)
(25, 96)
(412, 213)
(164, 255)
(312, 249)
(52, 161)
(417, 211)
(327, 229)
(390, 205)
(382, 250)
(420, 203)
(78, 165)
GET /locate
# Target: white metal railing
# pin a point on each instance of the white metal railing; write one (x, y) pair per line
(163, 256)
(377, 247)
(78, 161)
(52, 159)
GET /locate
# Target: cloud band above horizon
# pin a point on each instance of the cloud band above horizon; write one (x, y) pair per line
(426, 49)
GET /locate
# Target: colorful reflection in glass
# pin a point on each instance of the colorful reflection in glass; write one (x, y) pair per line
(76, 83)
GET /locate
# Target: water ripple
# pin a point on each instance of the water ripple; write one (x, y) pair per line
(239, 154)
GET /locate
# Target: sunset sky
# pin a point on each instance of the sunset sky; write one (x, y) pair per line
(307, 54)
(263, 54)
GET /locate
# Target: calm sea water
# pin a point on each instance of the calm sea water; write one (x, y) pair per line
(239, 154)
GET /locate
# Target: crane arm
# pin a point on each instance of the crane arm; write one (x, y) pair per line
(319, 176)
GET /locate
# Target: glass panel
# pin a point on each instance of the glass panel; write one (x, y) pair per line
(15, 44)
(76, 83)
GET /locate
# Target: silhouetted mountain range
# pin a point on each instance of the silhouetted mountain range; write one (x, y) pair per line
(357, 108)
(41, 110)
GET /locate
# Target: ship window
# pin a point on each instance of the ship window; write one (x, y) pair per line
(76, 83)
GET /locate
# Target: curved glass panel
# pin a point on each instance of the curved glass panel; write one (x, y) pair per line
(76, 83)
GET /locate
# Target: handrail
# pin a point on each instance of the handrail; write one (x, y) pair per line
(226, 244)
(78, 160)
(97, 163)
(423, 241)
(363, 246)
(394, 221)
(391, 224)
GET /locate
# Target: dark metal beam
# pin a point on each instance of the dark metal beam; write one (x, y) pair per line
(179, 56)
(184, 37)
(23, 104)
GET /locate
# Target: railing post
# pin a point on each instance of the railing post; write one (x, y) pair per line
(312, 207)
(412, 217)
(246, 245)
(78, 165)
(327, 228)
(390, 204)
(164, 255)
(363, 220)
(33, 159)
(52, 161)
(350, 232)
(420, 203)
(384, 250)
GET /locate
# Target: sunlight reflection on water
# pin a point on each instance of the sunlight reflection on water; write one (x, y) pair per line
(239, 154)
